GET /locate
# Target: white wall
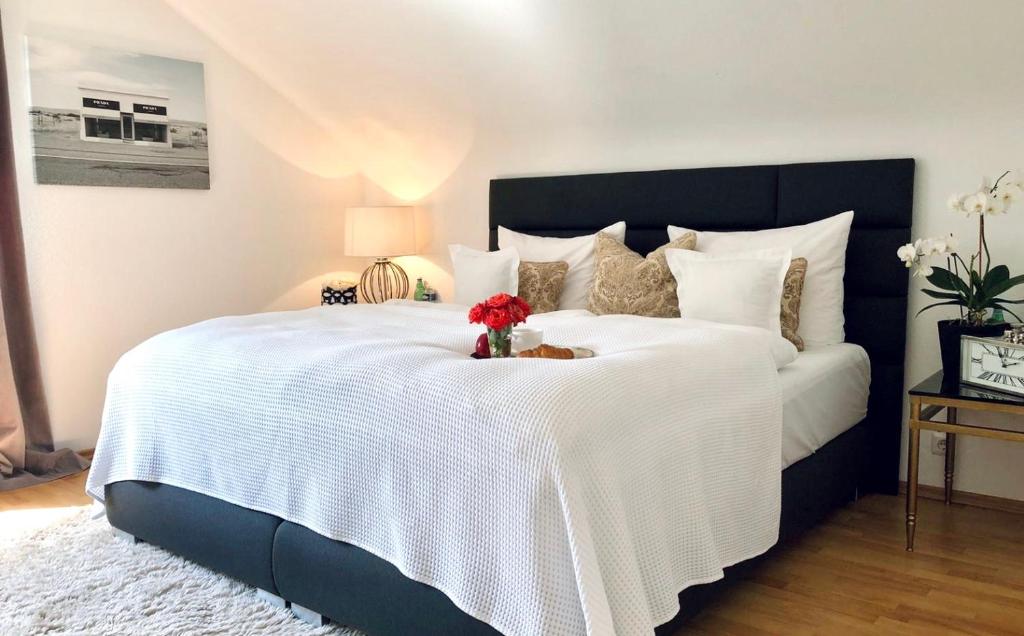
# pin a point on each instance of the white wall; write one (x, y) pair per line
(109, 267)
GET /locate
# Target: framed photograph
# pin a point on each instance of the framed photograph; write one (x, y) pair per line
(111, 118)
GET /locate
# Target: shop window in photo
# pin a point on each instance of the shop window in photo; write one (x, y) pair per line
(146, 131)
(102, 128)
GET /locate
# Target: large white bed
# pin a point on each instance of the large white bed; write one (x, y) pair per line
(317, 417)
(607, 485)
(364, 453)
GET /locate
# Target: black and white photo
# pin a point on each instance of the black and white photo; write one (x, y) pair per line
(109, 118)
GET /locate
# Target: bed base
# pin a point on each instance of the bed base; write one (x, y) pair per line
(321, 578)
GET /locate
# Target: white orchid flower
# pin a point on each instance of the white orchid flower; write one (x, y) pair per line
(956, 203)
(924, 270)
(1008, 192)
(993, 206)
(907, 254)
(975, 203)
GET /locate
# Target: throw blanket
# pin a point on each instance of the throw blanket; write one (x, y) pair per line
(542, 496)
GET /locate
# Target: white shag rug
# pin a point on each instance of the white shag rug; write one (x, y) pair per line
(65, 573)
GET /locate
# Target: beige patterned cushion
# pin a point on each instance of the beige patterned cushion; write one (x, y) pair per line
(627, 283)
(791, 291)
(540, 284)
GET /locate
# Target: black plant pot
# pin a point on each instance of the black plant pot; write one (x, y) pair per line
(949, 345)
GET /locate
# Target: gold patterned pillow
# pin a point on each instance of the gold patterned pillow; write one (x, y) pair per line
(627, 283)
(791, 292)
(540, 284)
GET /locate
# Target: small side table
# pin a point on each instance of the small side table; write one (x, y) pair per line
(926, 400)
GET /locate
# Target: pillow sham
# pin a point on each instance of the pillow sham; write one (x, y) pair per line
(540, 284)
(737, 290)
(578, 252)
(823, 244)
(480, 275)
(627, 283)
(792, 290)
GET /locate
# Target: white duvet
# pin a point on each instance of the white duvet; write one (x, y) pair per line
(542, 496)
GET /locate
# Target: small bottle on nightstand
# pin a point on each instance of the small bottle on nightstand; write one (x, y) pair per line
(420, 290)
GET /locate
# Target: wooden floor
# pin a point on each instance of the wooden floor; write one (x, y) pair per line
(850, 575)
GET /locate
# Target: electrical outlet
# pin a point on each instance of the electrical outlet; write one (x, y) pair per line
(938, 443)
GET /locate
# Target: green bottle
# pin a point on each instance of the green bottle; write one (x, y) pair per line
(420, 290)
(997, 317)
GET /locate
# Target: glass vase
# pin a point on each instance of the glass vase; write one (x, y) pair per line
(500, 342)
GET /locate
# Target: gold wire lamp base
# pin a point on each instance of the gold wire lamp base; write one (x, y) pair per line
(382, 281)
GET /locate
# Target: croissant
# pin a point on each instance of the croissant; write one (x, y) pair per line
(547, 351)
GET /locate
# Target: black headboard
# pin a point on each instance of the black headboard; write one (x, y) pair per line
(758, 197)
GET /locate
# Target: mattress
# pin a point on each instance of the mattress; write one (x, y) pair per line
(824, 393)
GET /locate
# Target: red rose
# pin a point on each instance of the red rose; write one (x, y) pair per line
(477, 313)
(497, 319)
(499, 301)
(523, 306)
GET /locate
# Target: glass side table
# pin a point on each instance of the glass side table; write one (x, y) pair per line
(930, 397)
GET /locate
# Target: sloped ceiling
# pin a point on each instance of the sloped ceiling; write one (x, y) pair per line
(401, 85)
(404, 86)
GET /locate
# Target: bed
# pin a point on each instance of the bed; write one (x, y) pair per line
(832, 446)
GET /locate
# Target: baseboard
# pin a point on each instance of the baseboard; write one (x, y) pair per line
(968, 498)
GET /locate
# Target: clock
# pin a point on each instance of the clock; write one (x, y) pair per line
(992, 364)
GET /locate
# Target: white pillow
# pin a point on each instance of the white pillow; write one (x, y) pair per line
(480, 275)
(823, 244)
(741, 289)
(578, 252)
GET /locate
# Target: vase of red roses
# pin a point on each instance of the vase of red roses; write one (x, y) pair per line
(499, 314)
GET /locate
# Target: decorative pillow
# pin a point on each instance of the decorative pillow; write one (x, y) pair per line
(540, 284)
(578, 252)
(735, 290)
(823, 244)
(627, 283)
(791, 292)
(480, 275)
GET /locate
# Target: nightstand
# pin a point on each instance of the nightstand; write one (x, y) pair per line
(930, 397)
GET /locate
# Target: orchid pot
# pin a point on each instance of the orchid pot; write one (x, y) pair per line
(976, 287)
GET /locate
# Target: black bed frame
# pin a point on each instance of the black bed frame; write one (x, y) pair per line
(353, 587)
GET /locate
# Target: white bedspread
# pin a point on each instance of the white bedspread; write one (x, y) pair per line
(542, 496)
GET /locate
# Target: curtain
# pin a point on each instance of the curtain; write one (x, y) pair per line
(27, 455)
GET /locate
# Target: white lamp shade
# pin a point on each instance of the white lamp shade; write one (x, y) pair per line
(380, 231)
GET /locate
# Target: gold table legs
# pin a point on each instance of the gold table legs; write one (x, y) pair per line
(913, 457)
(950, 455)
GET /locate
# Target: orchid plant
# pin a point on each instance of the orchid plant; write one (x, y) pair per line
(975, 285)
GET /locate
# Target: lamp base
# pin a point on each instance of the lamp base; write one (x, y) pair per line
(382, 281)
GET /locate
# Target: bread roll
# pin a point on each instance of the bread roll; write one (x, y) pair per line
(547, 351)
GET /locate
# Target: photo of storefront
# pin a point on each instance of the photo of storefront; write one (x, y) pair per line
(114, 116)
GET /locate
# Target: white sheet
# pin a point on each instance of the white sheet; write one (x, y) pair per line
(542, 496)
(824, 393)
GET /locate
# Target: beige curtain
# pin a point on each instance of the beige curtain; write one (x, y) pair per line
(12, 429)
(26, 444)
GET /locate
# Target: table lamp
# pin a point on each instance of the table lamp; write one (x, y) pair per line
(381, 232)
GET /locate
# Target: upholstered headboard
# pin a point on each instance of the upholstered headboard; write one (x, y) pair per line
(758, 197)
